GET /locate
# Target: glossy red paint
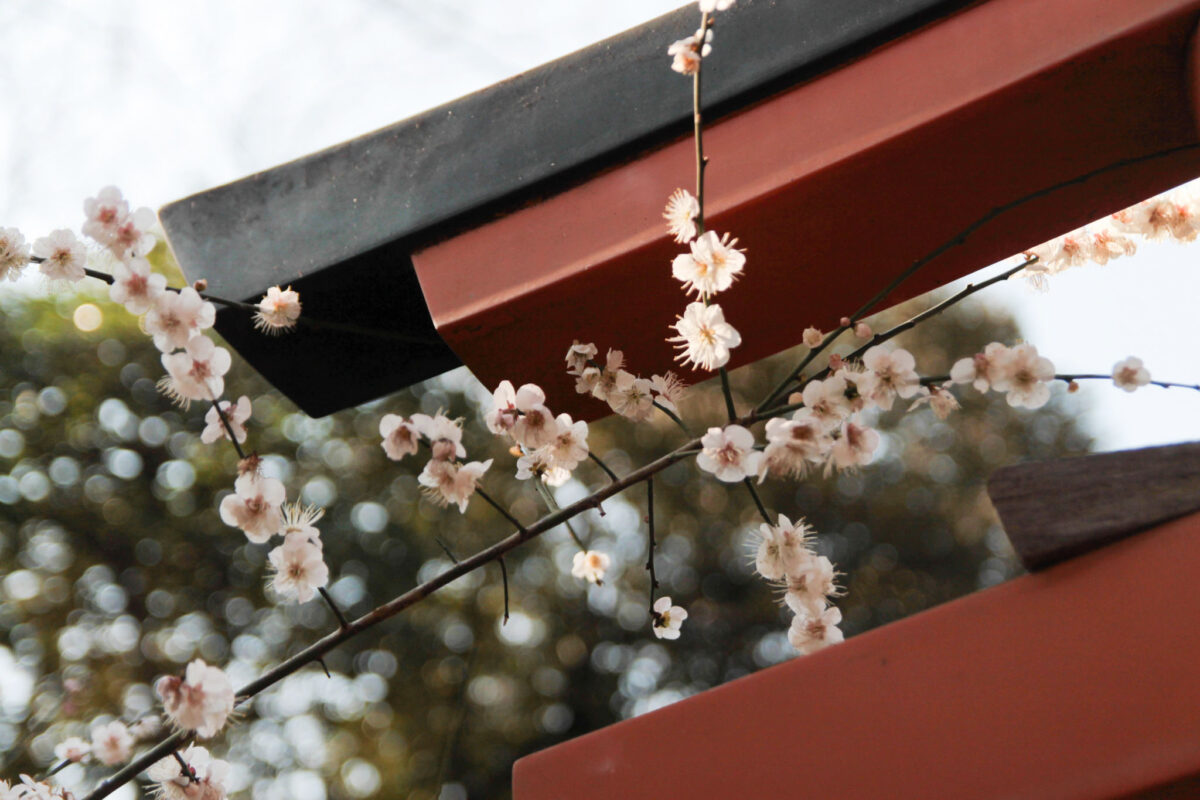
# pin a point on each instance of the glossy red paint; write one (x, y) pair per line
(836, 185)
(1075, 682)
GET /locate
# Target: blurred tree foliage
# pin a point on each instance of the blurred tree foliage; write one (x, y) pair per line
(115, 567)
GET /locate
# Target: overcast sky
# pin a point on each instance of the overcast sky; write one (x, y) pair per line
(169, 98)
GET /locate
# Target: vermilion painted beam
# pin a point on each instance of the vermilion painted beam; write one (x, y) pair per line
(836, 185)
(1076, 682)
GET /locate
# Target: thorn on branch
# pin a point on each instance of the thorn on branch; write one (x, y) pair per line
(325, 667)
(445, 549)
(504, 577)
(342, 623)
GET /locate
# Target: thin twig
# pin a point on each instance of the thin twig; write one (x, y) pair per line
(674, 418)
(504, 577)
(225, 423)
(651, 544)
(487, 498)
(445, 549)
(612, 475)
(762, 510)
(337, 612)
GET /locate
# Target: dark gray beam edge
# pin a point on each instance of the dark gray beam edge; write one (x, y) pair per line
(367, 203)
(1055, 510)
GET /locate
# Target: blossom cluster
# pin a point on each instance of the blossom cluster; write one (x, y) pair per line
(447, 478)
(1173, 216)
(627, 394)
(1018, 371)
(785, 557)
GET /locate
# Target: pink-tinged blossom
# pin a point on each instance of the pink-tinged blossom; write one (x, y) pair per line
(569, 446)
(135, 286)
(503, 414)
(255, 506)
(176, 317)
(863, 331)
(812, 632)
(704, 337)
(237, 415)
(809, 584)
(400, 437)
(668, 390)
(299, 568)
(112, 743)
(196, 373)
(939, 399)
(1107, 243)
(854, 447)
(1025, 376)
(105, 212)
(63, 256)
(1158, 218)
(680, 214)
(793, 445)
(631, 397)
(73, 749)
(812, 337)
(887, 375)
(204, 779)
(782, 548)
(666, 618)
(729, 453)
(599, 382)
(535, 425)
(710, 267)
(1069, 250)
(590, 566)
(1130, 374)
(301, 520)
(578, 357)
(14, 253)
(686, 53)
(446, 482)
(541, 464)
(827, 400)
(201, 701)
(444, 436)
(981, 370)
(133, 236)
(29, 789)
(278, 310)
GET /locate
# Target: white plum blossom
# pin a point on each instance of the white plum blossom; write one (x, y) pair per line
(201, 701)
(632, 397)
(827, 400)
(812, 337)
(940, 399)
(793, 445)
(668, 390)
(446, 482)
(278, 310)
(535, 424)
(680, 214)
(63, 256)
(541, 464)
(299, 567)
(782, 548)
(14, 253)
(710, 267)
(810, 583)
(1130, 374)
(709, 6)
(176, 317)
(666, 618)
(854, 447)
(578, 356)
(729, 453)
(686, 53)
(1024, 376)
(112, 743)
(590, 565)
(981, 370)
(135, 286)
(812, 632)
(503, 414)
(255, 506)
(444, 435)
(237, 415)
(599, 381)
(569, 446)
(73, 749)
(887, 375)
(196, 373)
(400, 437)
(301, 520)
(105, 213)
(704, 337)
(206, 780)
(1162, 217)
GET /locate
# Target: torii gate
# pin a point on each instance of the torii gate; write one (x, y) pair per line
(848, 139)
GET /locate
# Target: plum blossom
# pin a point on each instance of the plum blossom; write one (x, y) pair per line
(710, 267)
(299, 567)
(14, 253)
(29, 789)
(827, 400)
(1160, 217)
(729, 453)
(201, 701)
(569, 446)
(680, 214)
(535, 425)
(73, 749)
(782, 548)
(809, 583)
(812, 337)
(255, 506)
(278, 310)
(590, 565)
(400, 437)
(631, 396)
(104, 212)
(63, 256)
(939, 399)
(540, 464)
(709, 6)
(301, 520)
(444, 435)
(793, 445)
(176, 317)
(135, 286)
(196, 373)
(666, 618)
(600, 381)
(112, 743)
(503, 415)
(237, 415)
(1130, 374)
(687, 52)
(446, 482)
(983, 369)
(704, 337)
(206, 780)
(812, 632)
(578, 357)
(668, 390)
(1024, 376)
(887, 375)
(854, 447)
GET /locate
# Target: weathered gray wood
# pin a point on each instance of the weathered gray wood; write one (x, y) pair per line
(1054, 510)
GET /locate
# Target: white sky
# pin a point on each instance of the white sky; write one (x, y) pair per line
(168, 98)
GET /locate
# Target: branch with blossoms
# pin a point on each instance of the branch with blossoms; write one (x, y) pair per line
(823, 425)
